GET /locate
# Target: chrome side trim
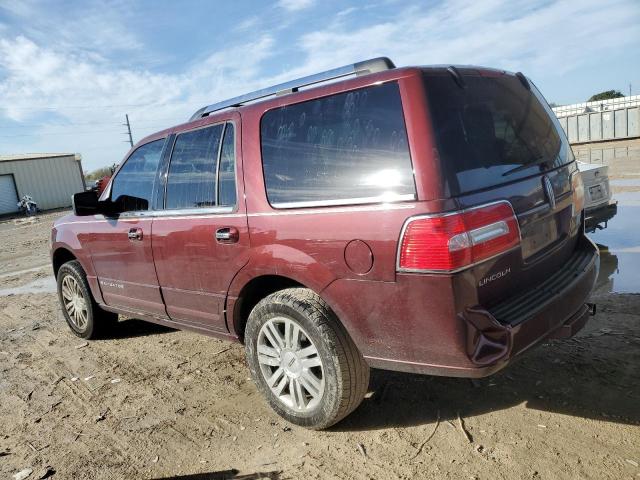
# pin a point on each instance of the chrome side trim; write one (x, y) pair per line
(447, 214)
(346, 201)
(181, 212)
(178, 212)
(346, 209)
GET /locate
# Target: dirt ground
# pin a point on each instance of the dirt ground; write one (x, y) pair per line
(150, 402)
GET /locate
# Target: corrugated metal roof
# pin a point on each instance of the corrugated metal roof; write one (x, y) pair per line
(49, 180)
(33, 156)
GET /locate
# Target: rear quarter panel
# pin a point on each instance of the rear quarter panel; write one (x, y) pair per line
(308, 245)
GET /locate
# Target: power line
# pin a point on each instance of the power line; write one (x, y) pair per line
(60, 107)
(83, 124)
(88, 132)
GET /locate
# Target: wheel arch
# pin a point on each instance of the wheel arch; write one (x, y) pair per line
(63, 253)
(271, 267)
(251, 293)
(61, 256)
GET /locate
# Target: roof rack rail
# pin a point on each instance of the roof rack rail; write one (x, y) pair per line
(373, 65)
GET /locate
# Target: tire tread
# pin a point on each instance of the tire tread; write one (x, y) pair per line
(353, 370)
(100, 319)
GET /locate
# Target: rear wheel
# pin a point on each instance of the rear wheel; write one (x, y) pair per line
(83, 315)
(303, 360)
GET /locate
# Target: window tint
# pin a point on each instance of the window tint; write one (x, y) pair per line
(350, 146)
(489, 128)
(227, 173)
(192, 170)
(136, 177)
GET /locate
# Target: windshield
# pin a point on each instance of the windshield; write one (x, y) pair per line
(491, 130)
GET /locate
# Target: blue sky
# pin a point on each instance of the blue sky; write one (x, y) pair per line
(69, 71)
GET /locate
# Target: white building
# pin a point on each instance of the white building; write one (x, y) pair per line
(50, 178)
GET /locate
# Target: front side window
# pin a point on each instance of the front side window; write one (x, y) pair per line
(349, 147)
(193, 169)
(132, 187)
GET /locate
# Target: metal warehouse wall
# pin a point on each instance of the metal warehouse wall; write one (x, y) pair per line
(597, 126)
(50, 181)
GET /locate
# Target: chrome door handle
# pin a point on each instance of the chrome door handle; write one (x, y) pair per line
(135, 234)
(227, 235)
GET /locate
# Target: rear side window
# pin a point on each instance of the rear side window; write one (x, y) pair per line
(490, 129)
(227, 173)
(193, 169)
(349, 147)
(133, 185)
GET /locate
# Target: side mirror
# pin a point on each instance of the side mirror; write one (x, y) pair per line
(85, 203)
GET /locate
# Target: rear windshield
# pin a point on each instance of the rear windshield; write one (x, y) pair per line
(489, 127)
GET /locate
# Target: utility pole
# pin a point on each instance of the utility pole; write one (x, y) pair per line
(128, 125)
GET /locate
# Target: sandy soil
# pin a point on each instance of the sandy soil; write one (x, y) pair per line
(150, 402)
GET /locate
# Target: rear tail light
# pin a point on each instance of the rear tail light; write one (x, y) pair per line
(577, 189)
(453, 241)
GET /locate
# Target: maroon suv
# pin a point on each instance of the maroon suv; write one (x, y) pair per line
(423, 219)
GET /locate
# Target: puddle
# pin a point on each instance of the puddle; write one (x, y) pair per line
(619, 245)
(631, 199)
(625, 182)
(41, 285)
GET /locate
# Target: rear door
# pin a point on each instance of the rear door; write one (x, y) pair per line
(498, 139)
(200, 239)
(120, 245)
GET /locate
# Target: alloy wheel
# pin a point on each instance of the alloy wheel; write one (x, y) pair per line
(290, 364)
(74, 302)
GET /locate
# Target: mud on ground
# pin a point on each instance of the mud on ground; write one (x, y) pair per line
(150, 402)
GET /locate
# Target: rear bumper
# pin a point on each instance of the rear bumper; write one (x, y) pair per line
(412, 325)
(556, 308)
(597, 217)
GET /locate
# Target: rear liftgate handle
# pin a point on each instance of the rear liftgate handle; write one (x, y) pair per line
(227, 235)
(135, 234)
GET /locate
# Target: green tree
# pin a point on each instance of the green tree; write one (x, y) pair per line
(605, 95)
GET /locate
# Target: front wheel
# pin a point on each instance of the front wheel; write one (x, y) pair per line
(303, 360)
(83, 315)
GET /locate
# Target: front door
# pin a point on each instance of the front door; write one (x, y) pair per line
(201, 240)
(120, 245)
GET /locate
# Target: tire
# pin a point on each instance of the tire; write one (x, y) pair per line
(92, 322)
(313, 390)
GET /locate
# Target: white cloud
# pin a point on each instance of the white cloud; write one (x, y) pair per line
(45, 76)
(41, 84)
(98, 26)
(295, 5)
(346, 11)
(248, 23)
(556, 35)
